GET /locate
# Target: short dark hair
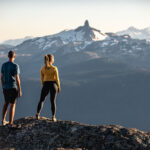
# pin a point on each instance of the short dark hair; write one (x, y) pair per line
(11, 54)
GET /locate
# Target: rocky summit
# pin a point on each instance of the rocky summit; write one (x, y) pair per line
(44, 134)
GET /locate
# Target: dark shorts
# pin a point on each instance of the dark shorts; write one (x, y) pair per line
(10, 95)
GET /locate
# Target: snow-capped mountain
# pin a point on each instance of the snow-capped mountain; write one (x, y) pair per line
(136, 33)
(77, 39)
(15, 42)
(82, 33)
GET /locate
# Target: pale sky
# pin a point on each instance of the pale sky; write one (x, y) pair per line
(20, 18)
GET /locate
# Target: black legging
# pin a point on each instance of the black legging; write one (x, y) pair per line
(48, 86)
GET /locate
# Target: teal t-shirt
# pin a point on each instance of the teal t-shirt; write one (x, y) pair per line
(9, 70)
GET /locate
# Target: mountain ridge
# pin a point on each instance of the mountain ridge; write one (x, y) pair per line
(146, 31)
(86, 39)
(15, 42)
(136, 33)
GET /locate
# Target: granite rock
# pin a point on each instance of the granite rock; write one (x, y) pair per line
(44, 134)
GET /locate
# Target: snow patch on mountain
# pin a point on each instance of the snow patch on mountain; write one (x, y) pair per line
(70, 36)
(49, 44)
(99, 36)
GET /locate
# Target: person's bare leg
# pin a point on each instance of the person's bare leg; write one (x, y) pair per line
(12, 113)
(4, 113)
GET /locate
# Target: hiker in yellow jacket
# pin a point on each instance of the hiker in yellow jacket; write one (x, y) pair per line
(50, 83)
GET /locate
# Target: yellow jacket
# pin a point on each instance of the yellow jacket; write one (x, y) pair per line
(50, 74)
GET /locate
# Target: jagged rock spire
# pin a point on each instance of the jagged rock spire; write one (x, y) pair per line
(86, 23)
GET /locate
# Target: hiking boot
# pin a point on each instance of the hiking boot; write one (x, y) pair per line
(37, 116)
(54, 119)
(4, 122)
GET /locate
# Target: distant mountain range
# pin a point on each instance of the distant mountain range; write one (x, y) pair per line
(5, 46)
(136, 33)
(15, 42)
(90, 34)
(86, 42)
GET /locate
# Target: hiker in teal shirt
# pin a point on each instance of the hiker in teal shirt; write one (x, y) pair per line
(10, 82)
(9, 70)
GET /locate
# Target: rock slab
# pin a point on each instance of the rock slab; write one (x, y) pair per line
(43, 134)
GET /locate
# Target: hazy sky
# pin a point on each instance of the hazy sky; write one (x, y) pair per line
(20, 18)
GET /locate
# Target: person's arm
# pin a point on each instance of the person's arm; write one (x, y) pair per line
(2, 81)
(2, 76)
(57, 80)
(18, 84)
(42, 77)
(17, 72)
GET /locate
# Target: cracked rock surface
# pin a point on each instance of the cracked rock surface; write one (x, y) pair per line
(32, 134)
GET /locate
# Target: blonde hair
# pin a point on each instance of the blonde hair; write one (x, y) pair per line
(46, 61)
(49, 59)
